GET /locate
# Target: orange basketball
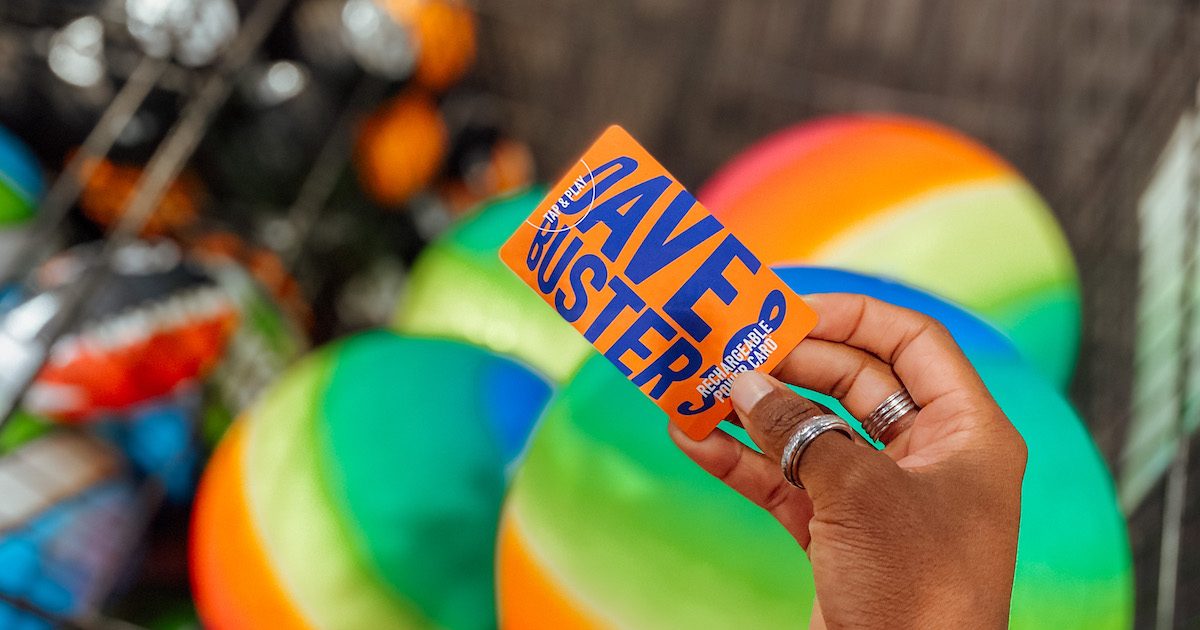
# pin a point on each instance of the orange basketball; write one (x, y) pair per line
(446, 40)
(401, 148)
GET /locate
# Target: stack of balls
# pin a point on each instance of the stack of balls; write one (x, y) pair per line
(403, 145)
(605, 523)
(412, 143)
(131, 369)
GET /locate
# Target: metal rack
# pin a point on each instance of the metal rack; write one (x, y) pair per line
(165, 165)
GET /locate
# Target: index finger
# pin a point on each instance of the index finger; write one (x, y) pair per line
(919, 349)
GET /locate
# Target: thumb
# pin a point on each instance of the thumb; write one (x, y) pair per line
(832, 467)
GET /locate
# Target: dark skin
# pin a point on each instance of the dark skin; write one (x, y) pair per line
(920, 535)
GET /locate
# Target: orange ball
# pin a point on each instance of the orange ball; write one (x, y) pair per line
(401, 148)
(446, 39)
(112, 186)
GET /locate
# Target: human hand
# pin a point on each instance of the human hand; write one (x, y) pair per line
(920, 535)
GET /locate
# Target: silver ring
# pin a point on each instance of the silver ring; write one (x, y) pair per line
(892, 409)
(802, 437)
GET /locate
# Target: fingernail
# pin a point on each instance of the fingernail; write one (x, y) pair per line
(748, 389)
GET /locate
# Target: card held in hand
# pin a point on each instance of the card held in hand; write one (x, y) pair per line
(652, 279)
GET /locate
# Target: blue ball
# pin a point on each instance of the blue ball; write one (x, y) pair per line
(976, 337)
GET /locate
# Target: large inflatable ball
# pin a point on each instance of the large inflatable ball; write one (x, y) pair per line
(363, 490)
(910, 200)
(459, 289)
(158, 322)
(608, 524)
(20, 188)
(70, 515)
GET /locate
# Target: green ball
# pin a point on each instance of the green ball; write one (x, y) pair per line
(459, 289)
(371, 474)
(630, 533)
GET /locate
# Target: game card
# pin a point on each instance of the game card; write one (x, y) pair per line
(654, 281)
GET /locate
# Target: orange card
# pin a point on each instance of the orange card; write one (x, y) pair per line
(652, 279)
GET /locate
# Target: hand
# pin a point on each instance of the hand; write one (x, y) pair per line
(920, 535)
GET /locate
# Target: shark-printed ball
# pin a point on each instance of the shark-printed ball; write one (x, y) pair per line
(156, 323)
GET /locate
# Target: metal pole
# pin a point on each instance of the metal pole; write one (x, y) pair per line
(66, 188)
(323, 177)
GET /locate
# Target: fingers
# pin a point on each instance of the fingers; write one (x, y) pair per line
(771, 413)
(817, 621)
(837, 471)
(752, 475)
(857, 378)
(919, 349)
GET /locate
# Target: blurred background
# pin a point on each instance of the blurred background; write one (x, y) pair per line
(237, 238)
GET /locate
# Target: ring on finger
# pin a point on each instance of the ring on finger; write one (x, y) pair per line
(880, 423)
(802, 437)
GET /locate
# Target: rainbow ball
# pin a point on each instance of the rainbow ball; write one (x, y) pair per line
(363, 490)
(459, 289)
(608, 524)
(908, 199)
